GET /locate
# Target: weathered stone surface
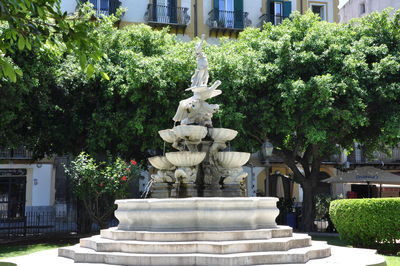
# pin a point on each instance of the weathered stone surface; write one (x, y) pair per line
(197, 214)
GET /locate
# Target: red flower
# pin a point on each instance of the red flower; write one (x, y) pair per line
(124, 178)
(101, 184)
(133, 162)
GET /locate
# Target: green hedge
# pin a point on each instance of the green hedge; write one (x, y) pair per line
(367, 222)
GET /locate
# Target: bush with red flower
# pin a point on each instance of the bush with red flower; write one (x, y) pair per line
(99, 184)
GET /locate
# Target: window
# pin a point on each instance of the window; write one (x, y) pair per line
(319, 10)
(362, 8)
(12, 193)
(226, 10)
(101, 6)
(278, 12)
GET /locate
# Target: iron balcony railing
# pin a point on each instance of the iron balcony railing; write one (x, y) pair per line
(274, 19)
(161, 14)
(221, 19)
(18, 153)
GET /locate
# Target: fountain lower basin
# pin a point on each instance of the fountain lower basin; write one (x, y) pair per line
(161, 162)
(197, 214)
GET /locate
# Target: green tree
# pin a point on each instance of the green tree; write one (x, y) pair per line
(314, 87)
(98, 185)
(29, 24)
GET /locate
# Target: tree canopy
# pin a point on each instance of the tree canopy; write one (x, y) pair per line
(29, 24)
(309, 86)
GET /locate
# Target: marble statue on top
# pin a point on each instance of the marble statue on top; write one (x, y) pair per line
(200, 76)
(195, 110)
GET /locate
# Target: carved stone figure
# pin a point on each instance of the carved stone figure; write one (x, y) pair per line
(195, 111)
(200, 77)
(186, 174)
(233, 175)
(163, 176)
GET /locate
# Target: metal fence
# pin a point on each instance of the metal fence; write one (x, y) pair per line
(39, 223)
(42, 223)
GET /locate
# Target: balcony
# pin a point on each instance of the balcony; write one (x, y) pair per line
(161, 15)
(274, 19)
(228, 20)
(18, 153)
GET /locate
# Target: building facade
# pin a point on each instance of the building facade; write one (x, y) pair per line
(214, 18)
(359, 8)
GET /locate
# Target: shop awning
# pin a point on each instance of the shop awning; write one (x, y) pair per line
(365, 174)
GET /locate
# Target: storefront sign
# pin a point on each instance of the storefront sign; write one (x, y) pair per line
(12, 172)
(367, 177)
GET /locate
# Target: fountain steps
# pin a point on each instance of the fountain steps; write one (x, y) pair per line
(296, 255)
(242, 247)
(115, 234)
(210, 247)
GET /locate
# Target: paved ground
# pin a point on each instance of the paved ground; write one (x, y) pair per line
(341, 256)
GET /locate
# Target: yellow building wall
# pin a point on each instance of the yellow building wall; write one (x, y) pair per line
(202, 27)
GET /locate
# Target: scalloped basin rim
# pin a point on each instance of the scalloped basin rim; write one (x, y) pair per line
(161, 162)
(193, 214)
(232, 159)
(193, 132)
(185, 158)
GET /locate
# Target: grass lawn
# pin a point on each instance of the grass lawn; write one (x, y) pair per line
(27, 247)
(336, 241)
(12, 250)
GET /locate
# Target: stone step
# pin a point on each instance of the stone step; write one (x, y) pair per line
(115, 234)
(100, 244)
(297, 255)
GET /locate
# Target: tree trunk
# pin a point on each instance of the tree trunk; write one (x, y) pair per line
(308, 207)
(84, 223)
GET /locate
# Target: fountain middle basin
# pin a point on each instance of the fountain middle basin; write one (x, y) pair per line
(197, 214)
(185, 158)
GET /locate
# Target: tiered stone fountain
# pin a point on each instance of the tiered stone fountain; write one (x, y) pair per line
(201, 166)
(198, 217)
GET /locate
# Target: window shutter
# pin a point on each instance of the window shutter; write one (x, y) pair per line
(114, 5)
(172, 8)
(270, 11)
(238, 13)
(153, 14)
(216, 11)
(94, 2)
(287, 9)
(216, 4)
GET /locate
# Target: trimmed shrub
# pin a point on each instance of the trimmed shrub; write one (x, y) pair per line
(368, 222)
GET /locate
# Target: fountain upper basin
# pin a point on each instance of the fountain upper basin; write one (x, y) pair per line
(167, 135)
(197, 214)
(232, 159)
(190, 132)
(222, 134)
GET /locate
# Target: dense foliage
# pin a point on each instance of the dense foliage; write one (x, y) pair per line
(368, 222)
(30, 24)
(98, 185)
(310, 87)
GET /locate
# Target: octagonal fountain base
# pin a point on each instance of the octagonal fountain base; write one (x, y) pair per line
(197, 231)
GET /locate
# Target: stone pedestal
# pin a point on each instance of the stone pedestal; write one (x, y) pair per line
(161, 190)
(213, 190)
(184, 190)
(233, 190)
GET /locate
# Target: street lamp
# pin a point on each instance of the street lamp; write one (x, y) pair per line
(266, 152)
